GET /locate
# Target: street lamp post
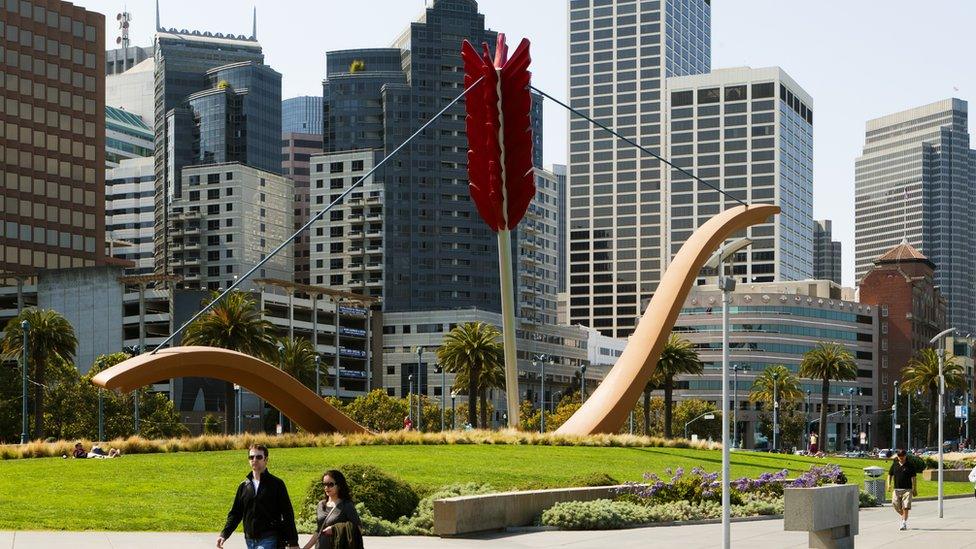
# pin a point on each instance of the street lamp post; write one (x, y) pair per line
(453, 413)
(318, 375)
(443, 395)
(24, 343)
(706, 415)
(582, 383)
(908, 437)
(281, 365)
(894, 418)
(410, 397)
(421, 379)
(809, 424)
(735, 404)
(727, 285)
(775, 408)
(541, 360)
(941, 353)
(850, 419)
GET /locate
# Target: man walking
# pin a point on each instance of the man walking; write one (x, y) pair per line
(262, 503)
(901, 479)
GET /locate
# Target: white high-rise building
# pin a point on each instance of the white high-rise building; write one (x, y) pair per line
(748, 132)
(129, 212)
(620, 56)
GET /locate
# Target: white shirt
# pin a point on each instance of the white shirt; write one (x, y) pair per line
(256, 483)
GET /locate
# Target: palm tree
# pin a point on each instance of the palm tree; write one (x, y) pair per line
(467, 351)
(50, 338)
(298, 360)
(776, 379)
(678, 357)
(235, 324)
(827, 361)
(922, 374)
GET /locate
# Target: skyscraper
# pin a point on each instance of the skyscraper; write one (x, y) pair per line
(301, 115)
(826, 252)
(915, 181)
(748, 132)
(296, 150)
(52, 132)
(182, 61)
(620, 55)
(436, 252)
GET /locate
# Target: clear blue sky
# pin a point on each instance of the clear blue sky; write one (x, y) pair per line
(859, 60)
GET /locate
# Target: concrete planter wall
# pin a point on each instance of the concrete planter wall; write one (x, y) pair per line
(468, 514)
(948, 475)
(829, 513)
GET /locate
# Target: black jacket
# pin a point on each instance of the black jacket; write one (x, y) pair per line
(266, 513)
(345, 512)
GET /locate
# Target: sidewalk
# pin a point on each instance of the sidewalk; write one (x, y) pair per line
(878, 528)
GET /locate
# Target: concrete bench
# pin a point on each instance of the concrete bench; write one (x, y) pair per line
(829, 513)
(468, 514)
(948, 475)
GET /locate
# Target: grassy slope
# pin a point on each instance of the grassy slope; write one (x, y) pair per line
(192, 491)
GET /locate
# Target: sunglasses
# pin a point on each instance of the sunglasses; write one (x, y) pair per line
(329, 484)
(258, 457)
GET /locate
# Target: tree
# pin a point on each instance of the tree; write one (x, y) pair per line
(922, 374)
(652, 384)
(678, 357)
(825, 362)
(235, 324)
(298, 361)
(378, 411)
(792, 425)
(473, 352)
(687, 410)
(778, 380)
(50, 338)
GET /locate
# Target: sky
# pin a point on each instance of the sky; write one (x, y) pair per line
(858, 59)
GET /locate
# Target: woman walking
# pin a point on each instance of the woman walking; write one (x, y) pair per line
(338, 524)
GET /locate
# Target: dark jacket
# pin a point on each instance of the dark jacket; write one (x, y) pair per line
(346, 535)
(345, 512)
(266, 513)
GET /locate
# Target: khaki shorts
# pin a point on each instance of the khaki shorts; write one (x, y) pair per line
(902, 499)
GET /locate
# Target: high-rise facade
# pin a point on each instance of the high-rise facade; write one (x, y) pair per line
(620, 55)
(537, 253)
(562, 224)
(126, 136)
(129, 213)
(748, 132)
(915, 180)
(182, 62)
(296, 150)
(130, 84)
(826, 252)
(301, 115)
(52, 136)
(437, 253)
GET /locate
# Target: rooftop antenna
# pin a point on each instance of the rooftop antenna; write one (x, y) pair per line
(157, 15)
(254, 25)
(123, 19)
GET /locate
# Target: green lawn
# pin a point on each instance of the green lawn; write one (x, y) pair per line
(192, 491)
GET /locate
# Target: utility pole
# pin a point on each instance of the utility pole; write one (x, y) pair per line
(24, 343)
(775, 408)
(894, 418)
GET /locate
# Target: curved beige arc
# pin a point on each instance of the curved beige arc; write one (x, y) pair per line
(608, 407)
(282, 391)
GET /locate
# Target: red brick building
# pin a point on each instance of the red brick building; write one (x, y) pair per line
(52, 136)
(911, 311)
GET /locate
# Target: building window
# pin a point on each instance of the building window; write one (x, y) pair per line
(335, 167)
(357, 165)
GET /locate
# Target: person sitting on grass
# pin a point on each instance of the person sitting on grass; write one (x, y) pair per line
(337, 523)
(98, 453)
(79, 451)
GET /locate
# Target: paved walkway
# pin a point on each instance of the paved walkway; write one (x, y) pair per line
(878, 529)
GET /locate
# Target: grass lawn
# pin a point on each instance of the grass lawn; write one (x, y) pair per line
(192, 491)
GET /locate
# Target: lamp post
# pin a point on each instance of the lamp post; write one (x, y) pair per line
(318, 374)
(894, 418)
(941, 353)
(582, 383)
(443, 393)
(453, 413)
(735, 404)
(101, 416)
(542, 391)
(706, 415)
(410, 397)
(908, 437)
(421, 380)
(775, 408)
(850, 419)
(281, 365)
(24, 343)
(727, 286)
(809, 424)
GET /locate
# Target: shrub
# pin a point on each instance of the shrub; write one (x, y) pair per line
(598, 479)
(920, 464)
(211, 425)
(697, 487)
(385, 496)
(866, 500)
(606, 514)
